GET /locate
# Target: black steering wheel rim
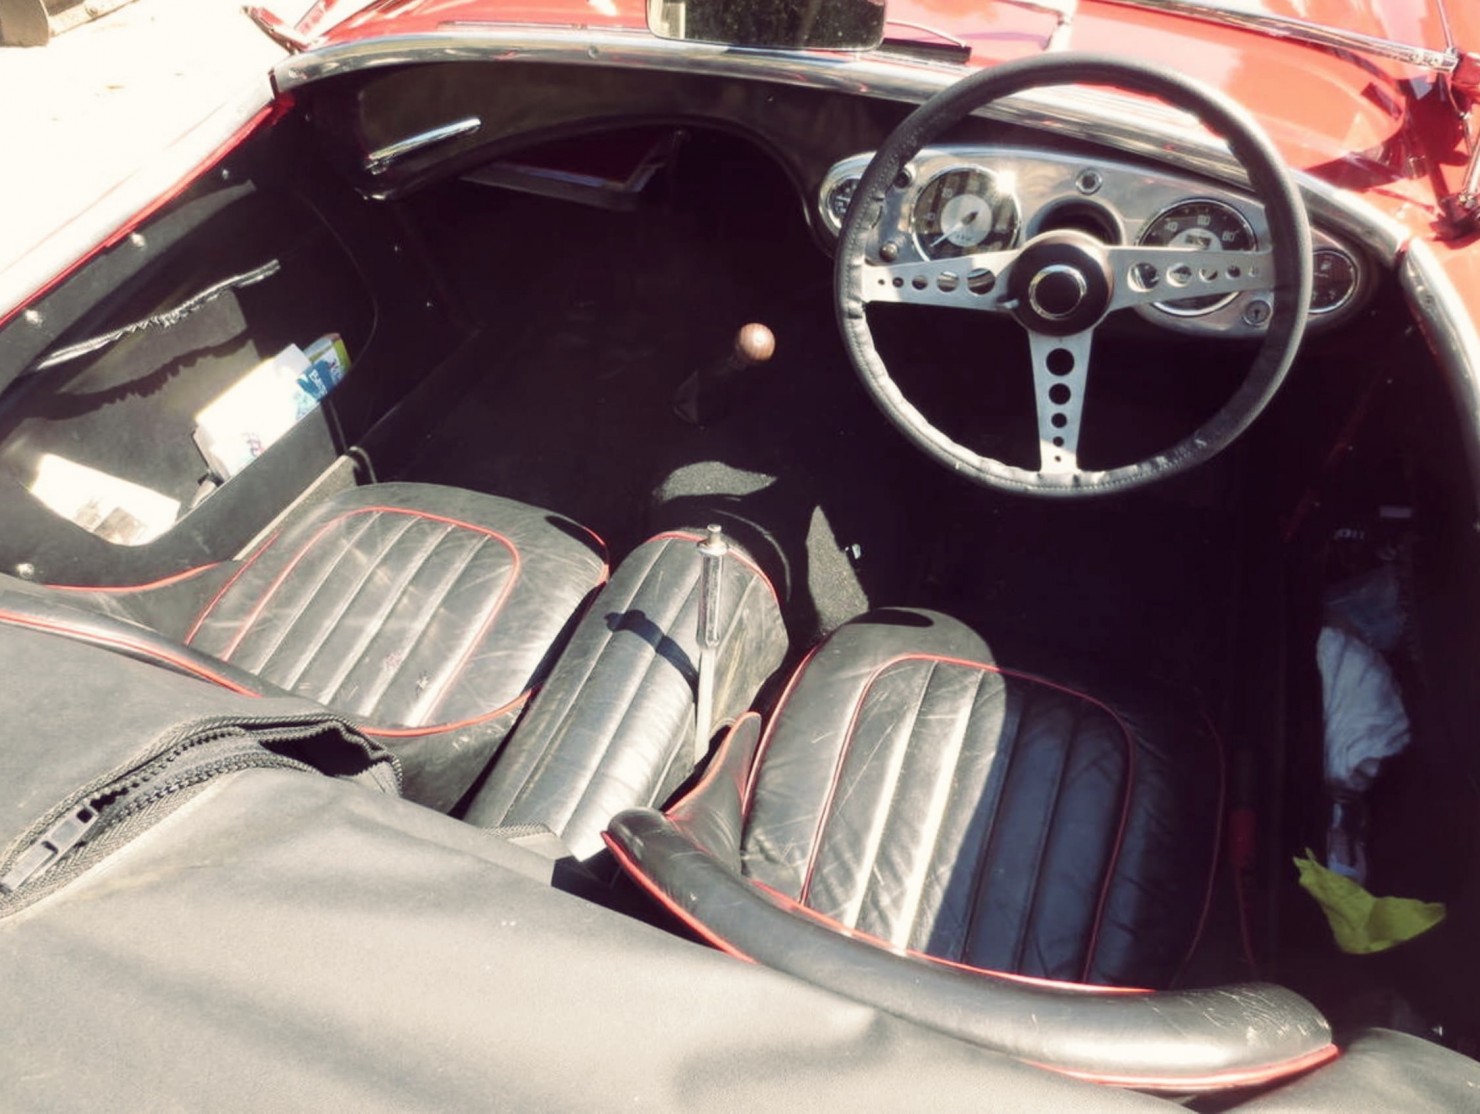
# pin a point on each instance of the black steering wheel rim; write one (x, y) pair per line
(1269, 180)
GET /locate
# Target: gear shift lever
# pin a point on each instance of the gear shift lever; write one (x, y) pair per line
(712, 551)
(705, 396)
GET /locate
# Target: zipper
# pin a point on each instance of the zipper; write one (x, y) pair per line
(179, 767)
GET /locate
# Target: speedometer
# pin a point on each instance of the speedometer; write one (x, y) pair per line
(1201, 225)
(964, 210)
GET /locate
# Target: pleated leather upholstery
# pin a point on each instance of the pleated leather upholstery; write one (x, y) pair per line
(920, 827)
(911, 789)
(613, 726)
(425, 614)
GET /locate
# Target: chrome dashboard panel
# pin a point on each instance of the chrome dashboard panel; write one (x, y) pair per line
(1117, 202)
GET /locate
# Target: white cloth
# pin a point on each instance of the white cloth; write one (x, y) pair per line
(1364, 716)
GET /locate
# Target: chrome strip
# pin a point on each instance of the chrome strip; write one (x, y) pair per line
(1096, 116)
(897, 78)
(1451, 334)
(379, 161)
(1301, 30)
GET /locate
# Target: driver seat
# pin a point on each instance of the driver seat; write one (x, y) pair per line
(988, 852)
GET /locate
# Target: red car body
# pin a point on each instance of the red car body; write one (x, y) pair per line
(1380, 134)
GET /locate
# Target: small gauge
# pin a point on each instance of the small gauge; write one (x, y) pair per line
(964, 210)
(1334, 281)
(1204, 225)
(839, 197)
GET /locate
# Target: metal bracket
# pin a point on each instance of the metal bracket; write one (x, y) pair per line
(1463, 207)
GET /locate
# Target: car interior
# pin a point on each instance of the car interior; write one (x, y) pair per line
(891, 729)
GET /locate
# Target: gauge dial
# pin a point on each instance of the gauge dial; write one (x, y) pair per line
(1334, 281)
(839, 197)
(1204, 225)
(962, 211)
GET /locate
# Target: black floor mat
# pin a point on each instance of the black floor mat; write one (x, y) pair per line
(574, 411)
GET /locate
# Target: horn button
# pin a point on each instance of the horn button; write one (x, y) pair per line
(1061, 283)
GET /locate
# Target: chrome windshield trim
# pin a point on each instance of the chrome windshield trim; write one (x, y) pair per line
(1127, 124)
(380, 160)
(1451, 334)
(1301, 30)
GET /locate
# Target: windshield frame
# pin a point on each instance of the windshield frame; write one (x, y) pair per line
(1444, 61)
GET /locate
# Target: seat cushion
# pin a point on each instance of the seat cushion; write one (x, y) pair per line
(613, 727)
(926, 830)
(426, 615)
(911, 788)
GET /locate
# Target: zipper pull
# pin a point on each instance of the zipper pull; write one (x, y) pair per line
(60, 838)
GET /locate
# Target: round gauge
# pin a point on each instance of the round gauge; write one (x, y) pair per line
(839, 197)
(1334, 281)
(964, 210)
(1203, 225)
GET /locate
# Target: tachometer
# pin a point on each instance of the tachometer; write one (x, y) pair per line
(1334, 281)
(964, 210)
(1204, 225)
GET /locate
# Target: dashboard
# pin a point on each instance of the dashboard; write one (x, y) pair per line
(952, 201)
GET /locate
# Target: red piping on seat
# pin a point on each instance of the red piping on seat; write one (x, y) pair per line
(716, 763)
(120, 642)
(861, 699)
(735, 552)
(791, 905)
(1202, 920)
(1216, 1080)
(760, 751)
(438, 728)
(162, 582)
(628, 864)
(214, 600)
(1242, 1077)
(196, 670)
(303, 551)
(266, 116)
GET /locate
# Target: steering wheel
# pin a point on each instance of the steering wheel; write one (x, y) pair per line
(1061, 284)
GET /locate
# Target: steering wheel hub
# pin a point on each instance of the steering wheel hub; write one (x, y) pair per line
(1061, 283)
(1057, 291)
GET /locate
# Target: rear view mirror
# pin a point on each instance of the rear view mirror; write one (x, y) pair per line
(779, 24)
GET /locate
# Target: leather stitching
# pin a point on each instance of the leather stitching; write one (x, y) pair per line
(1007, 750)
(822, 815)
(246, 624)
(374, 626)
(221, 592)
(1029, 906)
(541, 763)
(900, 750)
(347, 598)
(725, 638)
(1125, 732)
(440, 728)
(121, 642)
(1113, 862)
(1216, 741)
(160, 583)
(946, 779)
(433, 700)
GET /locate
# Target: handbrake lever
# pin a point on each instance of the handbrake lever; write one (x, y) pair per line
(712, 552)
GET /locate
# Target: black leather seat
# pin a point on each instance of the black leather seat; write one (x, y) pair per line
(613, 725)
(926, 831)
(424, 615)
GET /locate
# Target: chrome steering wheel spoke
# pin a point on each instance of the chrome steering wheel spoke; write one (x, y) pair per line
(1144, 275)
(1060, 372)
(976, 281)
